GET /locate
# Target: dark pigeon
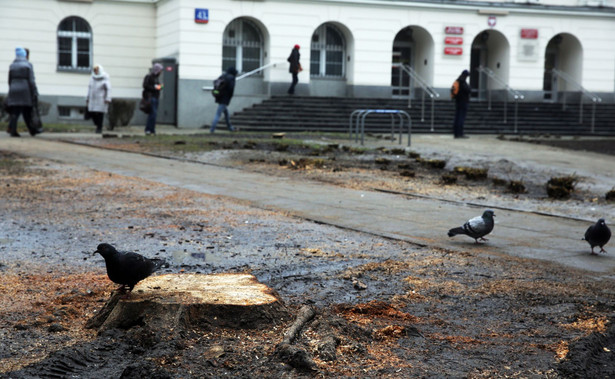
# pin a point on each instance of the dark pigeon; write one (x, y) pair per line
(598, 235)
(477, 228)
(127, 268)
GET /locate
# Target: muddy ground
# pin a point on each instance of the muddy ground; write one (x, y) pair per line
(424, 313)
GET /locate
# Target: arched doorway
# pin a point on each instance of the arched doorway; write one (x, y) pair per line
(243, 46)
(413, 47)
(490, 49)
(563, 53)
(330, 67)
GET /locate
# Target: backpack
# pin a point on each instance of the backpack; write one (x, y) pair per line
(219, 85)
(454, 89)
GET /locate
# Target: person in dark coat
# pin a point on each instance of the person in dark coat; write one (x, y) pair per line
(224, 99)
(462, 98)
(23, 93)
(295, 68)
(151, 89)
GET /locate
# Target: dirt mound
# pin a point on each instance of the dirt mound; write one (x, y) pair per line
(591, 357)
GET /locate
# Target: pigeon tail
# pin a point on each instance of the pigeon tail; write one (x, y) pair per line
(455, 231)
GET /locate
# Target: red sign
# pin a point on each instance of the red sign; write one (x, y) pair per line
(491, 21)
(453, 30)
(453, 50)
(453, 40)
(529, 33)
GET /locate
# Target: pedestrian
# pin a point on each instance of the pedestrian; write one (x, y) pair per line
(151, 89)
(223, 99)
(23, 94)
(99, 96)
(295, 68)
(461, 93)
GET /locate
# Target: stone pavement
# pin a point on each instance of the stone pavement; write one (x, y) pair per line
(417, 220)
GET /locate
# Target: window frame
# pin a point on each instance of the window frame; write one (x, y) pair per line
(75, 38)
(238, 44)
(319, 49)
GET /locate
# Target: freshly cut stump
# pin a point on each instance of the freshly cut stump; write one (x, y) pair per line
(192, 300)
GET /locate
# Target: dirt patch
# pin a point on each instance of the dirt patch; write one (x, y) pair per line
(423, 312)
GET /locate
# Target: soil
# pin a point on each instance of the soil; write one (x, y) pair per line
(384, 308)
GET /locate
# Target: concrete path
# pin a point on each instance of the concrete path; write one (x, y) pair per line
(421, 221)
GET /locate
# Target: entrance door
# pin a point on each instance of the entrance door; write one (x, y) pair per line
(400, 80)
(167, 107)
(478, 83)
(549, 85)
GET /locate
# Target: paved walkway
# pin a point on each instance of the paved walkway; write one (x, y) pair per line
(421, 221)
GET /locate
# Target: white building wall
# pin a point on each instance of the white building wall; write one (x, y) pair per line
(123, 42)
(128, 34)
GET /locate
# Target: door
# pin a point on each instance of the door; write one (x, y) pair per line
(167, 107)
(400, 80)
(549, 85)
(478, 82)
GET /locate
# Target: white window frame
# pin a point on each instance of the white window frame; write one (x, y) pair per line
(322, 45)
(239, 44)
(75, 36)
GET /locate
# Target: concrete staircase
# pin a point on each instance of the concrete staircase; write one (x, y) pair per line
(331, 114)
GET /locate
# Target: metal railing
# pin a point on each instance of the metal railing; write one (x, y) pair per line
(361, 115)
(249, 73)
(515, 94)
(426, 90)
(594, 98)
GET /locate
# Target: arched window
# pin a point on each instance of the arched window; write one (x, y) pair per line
(327, 52)
(242, 46)
(74, 45)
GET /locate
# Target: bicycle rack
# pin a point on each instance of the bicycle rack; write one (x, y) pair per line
(361, 115)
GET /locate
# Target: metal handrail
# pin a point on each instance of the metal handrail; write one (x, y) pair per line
(249, 73)
(516, 94)
(427, 89)
(594, 98)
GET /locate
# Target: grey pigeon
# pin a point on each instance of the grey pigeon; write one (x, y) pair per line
(598, 235)
(127, 268)
(477, 228)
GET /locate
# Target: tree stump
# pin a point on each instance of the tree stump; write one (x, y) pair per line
(177, 301)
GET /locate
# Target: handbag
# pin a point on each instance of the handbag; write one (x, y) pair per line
(87, 115)
(37, 123)
(145, 105)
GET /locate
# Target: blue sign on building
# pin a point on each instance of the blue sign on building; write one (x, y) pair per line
(201, 16)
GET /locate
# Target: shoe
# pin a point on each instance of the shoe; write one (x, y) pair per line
(98, 131)
(147, 133)
(15, 134)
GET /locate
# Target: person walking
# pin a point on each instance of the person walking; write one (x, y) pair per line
(223, 98)
(99, 96)
(295, 68)
(23, 93)
(151, 89)
(461, 93)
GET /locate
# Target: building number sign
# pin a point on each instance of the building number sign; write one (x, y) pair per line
(201, 16)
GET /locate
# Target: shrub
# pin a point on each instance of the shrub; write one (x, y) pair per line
(472, 173)
(610, 196)
(516, 186)
(561, 187)
(449, 178)
(120, 112)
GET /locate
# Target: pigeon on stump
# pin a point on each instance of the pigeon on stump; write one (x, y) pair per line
(127, 268)
(477, 228)
(598, 235)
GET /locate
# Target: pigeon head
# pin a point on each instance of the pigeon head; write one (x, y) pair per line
(601, 222)
(105, 250)
(488, 214)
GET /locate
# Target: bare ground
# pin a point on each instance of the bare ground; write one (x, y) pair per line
(425, 312)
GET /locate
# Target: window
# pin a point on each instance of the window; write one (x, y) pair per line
(74, 45)
(242, 46)
(327, 52)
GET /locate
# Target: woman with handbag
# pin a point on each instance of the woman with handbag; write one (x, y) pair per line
(99, 96)
(23, 94)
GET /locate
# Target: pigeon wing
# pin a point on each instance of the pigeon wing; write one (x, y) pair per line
(476, 227)
(137, 267)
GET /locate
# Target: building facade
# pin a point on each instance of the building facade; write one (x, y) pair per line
(364, 48)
